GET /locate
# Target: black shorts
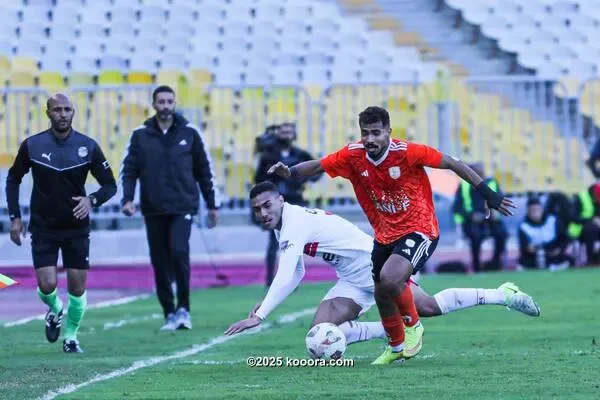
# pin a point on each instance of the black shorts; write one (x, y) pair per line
(74, 247)
(415, 247)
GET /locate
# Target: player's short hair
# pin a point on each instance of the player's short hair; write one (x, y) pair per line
(373, 115)
(161, 89)
(263, 187)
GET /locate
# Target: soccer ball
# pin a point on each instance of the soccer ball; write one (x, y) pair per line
(325, 341)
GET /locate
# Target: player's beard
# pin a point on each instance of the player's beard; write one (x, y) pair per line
(62, 126)
(165, 115)
(375, 152)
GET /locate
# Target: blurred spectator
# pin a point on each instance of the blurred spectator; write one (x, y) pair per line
(585, 225)
(543, 239)
(469, 213)
(559, 205)
(594, 160)
(267, 142)
(273, 151)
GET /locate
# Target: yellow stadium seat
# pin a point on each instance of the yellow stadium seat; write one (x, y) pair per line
(4, 63)
(80, 78)
(111, 77)
(193, 96)
(4, 77)
(201, 76)
(51, 81)
(21, 79)
(139, 78)
(25, 64)
(173, 78)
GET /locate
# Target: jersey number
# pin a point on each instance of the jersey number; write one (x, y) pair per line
(328, 257)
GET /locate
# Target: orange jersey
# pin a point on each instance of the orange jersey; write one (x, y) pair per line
(394, 191)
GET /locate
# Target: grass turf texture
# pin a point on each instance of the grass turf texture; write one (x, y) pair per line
(486, 352)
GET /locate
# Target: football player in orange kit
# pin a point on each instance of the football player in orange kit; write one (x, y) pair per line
(393, 189)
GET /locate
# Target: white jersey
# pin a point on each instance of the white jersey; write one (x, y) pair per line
(322, 235)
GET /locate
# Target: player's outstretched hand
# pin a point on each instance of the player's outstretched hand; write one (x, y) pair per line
(242, 325)
(17, 229)
(280, 169)
(504, 207)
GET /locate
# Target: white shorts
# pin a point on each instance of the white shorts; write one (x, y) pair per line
(364, 296)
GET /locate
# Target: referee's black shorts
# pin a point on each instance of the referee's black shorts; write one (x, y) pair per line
(74, 247)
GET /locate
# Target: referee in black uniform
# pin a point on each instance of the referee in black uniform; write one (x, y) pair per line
(59, 159)
(168, 155)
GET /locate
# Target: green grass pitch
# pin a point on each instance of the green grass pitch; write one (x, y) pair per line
(482, 353)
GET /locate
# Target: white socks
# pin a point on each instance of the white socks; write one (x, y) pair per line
(455, 299)
(358, 331)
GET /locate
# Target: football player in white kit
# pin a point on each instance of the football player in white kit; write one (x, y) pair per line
(343, 245)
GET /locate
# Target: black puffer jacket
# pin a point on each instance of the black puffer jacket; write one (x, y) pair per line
(169, 166)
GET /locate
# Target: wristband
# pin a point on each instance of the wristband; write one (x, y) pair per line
(293, 172)
(494, 199)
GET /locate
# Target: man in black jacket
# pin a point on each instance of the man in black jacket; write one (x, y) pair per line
(59, 159)
(169, 157)
(292, 189)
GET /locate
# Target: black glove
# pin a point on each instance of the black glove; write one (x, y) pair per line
(493, 199)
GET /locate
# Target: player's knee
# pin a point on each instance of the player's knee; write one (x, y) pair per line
(47, 285)
(392, 283)
(46, 282)
(428, 307)
(77, 292)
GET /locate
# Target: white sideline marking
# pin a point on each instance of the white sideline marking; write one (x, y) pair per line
(285, 319)
(102, 304)
(120, 323)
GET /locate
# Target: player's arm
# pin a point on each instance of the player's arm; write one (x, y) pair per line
(101, 171)
(130, 170)
(305, 169)
(20, 167)
(305, 156)
(334, 164)
(289, 274)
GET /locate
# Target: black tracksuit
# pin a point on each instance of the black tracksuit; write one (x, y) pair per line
(59, 168)
(169, 166)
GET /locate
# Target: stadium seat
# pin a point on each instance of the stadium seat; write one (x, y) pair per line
(80, 78)
(21, 78)
(51, 81)
(139, 78)
(5, 64)
(111, 77)
(173, 78)
(24, 64)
